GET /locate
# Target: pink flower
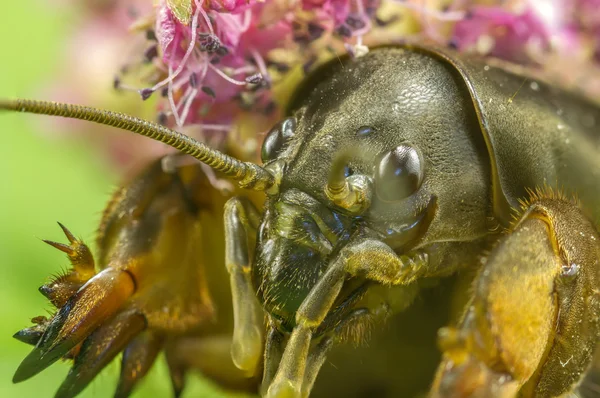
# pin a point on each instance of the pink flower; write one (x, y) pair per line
(232, 6)
(214, 60)
(209, 63)
(346, 17)
(500, 32)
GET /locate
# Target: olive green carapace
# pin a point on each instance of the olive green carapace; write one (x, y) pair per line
(423, 210)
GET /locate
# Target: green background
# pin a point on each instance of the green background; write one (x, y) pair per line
(44, 181)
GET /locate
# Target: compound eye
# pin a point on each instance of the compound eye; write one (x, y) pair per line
(277, 138)
(399, 173)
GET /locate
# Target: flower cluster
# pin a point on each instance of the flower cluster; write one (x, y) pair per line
(206, 64)
(219, 57)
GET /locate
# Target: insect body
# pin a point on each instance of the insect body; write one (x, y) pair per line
(401, 167)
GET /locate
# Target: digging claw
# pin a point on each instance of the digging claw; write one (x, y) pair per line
(99, 349)
(29, 336)
(92, 305)
(33, 334)
(59, 290)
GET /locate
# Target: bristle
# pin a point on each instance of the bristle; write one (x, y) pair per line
(61, 289)
(356, 327)
(540, 193)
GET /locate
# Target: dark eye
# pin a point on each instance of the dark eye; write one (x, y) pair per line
(399, 173)
(277, 138)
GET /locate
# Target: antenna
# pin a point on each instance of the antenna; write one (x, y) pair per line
(247, 174)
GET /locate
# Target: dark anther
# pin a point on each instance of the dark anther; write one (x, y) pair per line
(150, 35)
(370, 11)
(301, 38)
(355, 22)
(164, 92)
(314, 30)
(380, 22)
(254, 79)
(371, 7)
(453, 43)
(280, 66)
(344, 31)
(162, 118)
(222, 51)
(364, 131)
(255, 87)
(150, 53)
(117, 83)
(146, 93)
(209, 42)
(193, 80)
(208, 91)
(215, 60)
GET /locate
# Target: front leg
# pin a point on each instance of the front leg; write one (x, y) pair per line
(362, 257)
(532, 325)
(241, 222)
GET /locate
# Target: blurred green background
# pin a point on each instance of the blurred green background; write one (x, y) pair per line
(44, 181)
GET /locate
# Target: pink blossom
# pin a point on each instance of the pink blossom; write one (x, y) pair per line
(232, 6)
(214, 60)
(219, 65)
(507, 32)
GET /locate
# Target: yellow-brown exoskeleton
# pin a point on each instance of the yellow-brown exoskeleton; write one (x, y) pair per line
(392, 172)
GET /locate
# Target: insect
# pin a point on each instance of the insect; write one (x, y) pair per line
(392, 172)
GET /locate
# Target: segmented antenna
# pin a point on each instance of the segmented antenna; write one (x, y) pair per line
(248, 175)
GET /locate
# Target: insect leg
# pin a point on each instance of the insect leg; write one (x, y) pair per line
(533, 322)
(367, 258)
(290, 375)
(318, 354)
(99, 349)
(376, 261)
(156, 281)
(316, 358)
(273, 354)
(211, 356)
(241, 222)
(87, 309)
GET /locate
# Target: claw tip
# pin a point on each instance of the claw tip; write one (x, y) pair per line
(60, 246)
(67, 233)
(29, 367)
